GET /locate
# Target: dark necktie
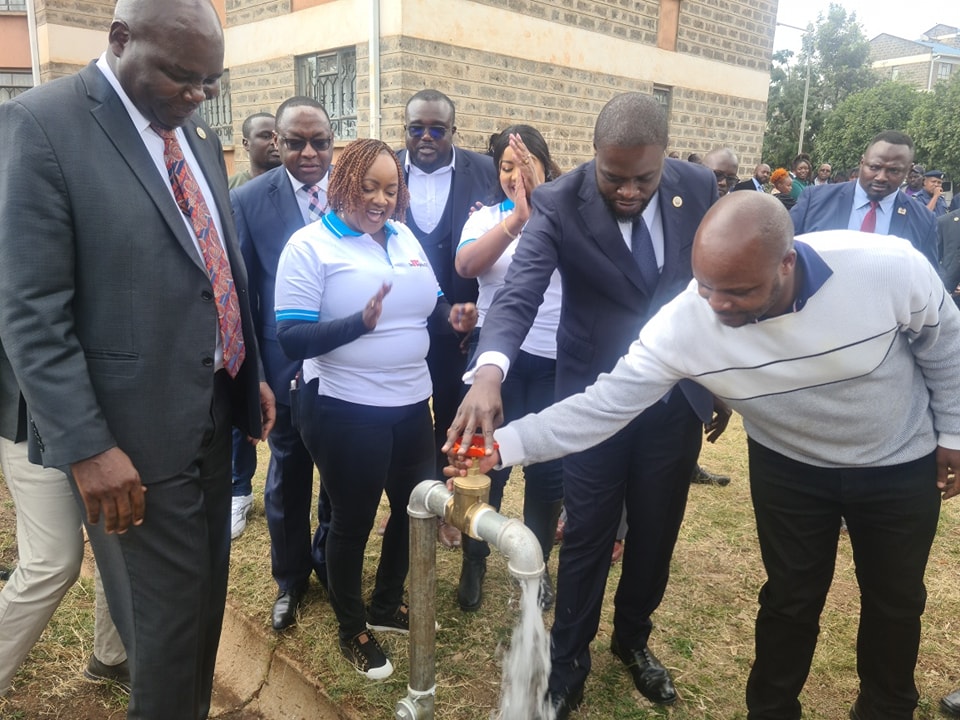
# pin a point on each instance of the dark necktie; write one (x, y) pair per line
(191, 202)
(313, 208)
(642, 247)
(869, 223)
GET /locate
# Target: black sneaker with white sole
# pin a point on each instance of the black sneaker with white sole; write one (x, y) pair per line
(367, 657)
(399, 622)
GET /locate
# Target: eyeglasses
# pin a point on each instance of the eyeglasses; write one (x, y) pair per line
(436, 132)
(729, 179)
(298, 144)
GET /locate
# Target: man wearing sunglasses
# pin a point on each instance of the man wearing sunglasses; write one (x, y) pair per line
(268, 210)
(444, 182)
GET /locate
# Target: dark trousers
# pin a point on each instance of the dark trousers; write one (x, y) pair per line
(528, 388)
(361, 451)
(166, 580)
(244, 464)
(891, 515)
(287, 497)
(646, 467)
(447, 363)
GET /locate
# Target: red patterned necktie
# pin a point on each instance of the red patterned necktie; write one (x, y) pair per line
(194, 207)
(313, 208)
(869, 223)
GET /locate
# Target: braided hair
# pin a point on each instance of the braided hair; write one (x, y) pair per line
(345, 190)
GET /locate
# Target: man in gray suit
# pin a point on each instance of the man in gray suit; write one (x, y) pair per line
(124, 313)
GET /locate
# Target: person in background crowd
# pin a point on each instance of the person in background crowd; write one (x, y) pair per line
(801, 172)
(355, 293)
(123, 311)
(948, 242)
(824, 174)
(257, 130)
(724, 164)
(487, 245)
(50, 550)
(782, 184)
(874, 203)
(267, 211)
(931, 194)
(761, 176)
(444, 182)
(914, 182)
(617, 228)
(820, 444)
(695, 159)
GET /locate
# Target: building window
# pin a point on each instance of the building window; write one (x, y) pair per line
(13, 5)
(944, 70)
(14, 83)
(661, 93)
(331, 79)
(217, 112)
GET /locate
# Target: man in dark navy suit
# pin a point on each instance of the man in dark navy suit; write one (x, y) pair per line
(268, 210)
(875, 202)
(620, 230)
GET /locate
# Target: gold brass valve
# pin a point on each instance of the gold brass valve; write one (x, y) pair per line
(470, 494)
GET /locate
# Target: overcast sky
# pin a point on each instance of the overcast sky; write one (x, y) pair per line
(895, 17)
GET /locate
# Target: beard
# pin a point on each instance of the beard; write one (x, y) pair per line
(619, 215)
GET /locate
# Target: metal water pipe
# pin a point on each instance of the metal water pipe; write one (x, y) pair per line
(465, 508)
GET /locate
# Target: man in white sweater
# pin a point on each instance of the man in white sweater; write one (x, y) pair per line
(813, 342)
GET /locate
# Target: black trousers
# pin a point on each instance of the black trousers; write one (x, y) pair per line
(645, 467)
(361, 451)
(891, 515)
(447, 363)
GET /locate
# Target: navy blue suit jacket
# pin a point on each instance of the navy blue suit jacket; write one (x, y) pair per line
(948, 234)
(267, 214)
(828, 207)
(473, 181)
(605, 300)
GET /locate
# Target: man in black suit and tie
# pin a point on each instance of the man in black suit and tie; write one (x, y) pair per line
(620, 229)
(268, 210)
(124, 313)
(761, 176)
(875, 202)
(444, 183)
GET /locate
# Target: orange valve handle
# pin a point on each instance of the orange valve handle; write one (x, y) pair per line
(477, 447)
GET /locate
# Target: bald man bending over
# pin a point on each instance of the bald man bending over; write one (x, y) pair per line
(810, 340)
(124, 313)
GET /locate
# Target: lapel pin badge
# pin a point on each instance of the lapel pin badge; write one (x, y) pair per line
(202, 133)
(901, 211)
(677, 201)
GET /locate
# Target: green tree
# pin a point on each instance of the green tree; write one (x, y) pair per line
(836, 54)
(935, 130)
(856, 119)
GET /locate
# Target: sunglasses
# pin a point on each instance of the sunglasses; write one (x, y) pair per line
(298, 144)
(436, 132)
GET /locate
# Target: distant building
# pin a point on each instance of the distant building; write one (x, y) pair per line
(920, 63)
(551, 63)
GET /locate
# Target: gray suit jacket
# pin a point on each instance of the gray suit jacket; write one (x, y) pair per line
(13, 410)
(106, 311)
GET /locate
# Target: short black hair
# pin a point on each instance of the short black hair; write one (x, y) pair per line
(300, 101)
(631, 120)
(894, 137)
(430, 95)
(245, 128)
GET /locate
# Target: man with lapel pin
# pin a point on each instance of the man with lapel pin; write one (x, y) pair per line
(125, 317)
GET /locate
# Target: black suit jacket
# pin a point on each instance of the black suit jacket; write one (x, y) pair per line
(605, 301)
(106, 310)
(473, 181)
(948, 237)
(828, 207)
(267, 214)
(747, 184)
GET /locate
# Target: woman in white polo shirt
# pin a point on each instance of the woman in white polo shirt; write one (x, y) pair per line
(489, 239)
(354, 295)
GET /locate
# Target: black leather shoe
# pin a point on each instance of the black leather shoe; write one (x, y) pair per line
(285, 608)
(950, 704)
(565, 703)
(705, 477)
(651, 678)
(470, 589)
(854, 713)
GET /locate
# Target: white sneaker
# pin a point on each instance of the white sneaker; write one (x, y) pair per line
(238, 514)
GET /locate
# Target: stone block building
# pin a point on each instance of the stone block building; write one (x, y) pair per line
(920, 63)
(550, 63)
